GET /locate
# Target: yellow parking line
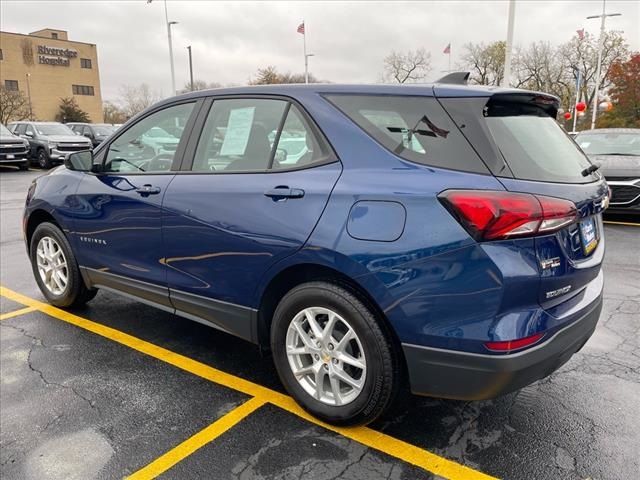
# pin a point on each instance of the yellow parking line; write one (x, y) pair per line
(364, 435)
(622, 223)
(15, 313)
(199, 440)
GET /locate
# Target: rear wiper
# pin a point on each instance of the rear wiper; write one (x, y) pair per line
(589, 170)
(621, 154)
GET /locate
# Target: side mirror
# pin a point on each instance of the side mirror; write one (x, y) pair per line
(80, 161)
(88, 135)
(281, 155)
(28, 134)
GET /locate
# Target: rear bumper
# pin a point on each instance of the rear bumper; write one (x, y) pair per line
(472, 376)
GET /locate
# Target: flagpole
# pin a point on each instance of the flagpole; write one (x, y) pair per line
(306, 57)
(575, 113)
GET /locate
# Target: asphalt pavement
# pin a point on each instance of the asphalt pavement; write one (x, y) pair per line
(112, 389)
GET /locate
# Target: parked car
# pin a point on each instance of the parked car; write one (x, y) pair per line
(617, 152)
(160, 140)
(396, 244)
(96, 132)
(13, 150)
(50, 142)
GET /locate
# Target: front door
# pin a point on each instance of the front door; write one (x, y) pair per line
(118, 219)
(259, 181)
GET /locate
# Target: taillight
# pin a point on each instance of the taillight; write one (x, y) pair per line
(491, 215)
(511, 345)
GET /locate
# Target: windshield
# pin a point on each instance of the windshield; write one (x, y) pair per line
(536, 148)
(157, 132)
(610, 143)
(103, 130)
(54, 129)
(4, 131)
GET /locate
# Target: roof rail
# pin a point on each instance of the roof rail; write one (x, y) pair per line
(455, 78)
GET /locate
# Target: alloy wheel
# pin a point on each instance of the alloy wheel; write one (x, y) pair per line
(52, 265)
(42, 159)
(326, 356)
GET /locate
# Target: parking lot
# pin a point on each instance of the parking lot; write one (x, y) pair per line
(121, 389)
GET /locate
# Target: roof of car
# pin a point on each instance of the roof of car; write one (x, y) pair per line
(610, 130)
(443, 90)
(37, 123)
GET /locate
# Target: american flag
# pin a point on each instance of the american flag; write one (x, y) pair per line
(301, 28)
(580, 33)
(447, 49)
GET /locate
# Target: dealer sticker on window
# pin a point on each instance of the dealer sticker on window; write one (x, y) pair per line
(588, 235)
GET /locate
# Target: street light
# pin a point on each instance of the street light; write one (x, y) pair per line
(190, 68)
(306, 66)
(173, 70)
(506, 77)
(166, 17)
(600, 47)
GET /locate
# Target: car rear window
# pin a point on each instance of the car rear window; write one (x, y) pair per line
(536, 148)
(414, 128)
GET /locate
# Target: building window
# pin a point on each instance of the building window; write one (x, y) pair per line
(82, 90)
(85, 63)
(1, 56)
(54, 35)
(11, 85)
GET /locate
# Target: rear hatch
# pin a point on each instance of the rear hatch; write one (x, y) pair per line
(517, 136)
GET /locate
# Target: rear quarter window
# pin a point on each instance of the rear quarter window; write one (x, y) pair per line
(414, 128)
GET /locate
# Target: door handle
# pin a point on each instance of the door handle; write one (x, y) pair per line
(283, 192)
(148, 190)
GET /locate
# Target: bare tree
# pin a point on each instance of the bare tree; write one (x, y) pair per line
(486, 62)
(270, 75)
(136, 99)
(408, 67)
(13, 106)
(199, 85)
(113, 113)
(582, 55)
(539, 67)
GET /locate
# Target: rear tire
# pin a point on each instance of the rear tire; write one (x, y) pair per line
(44, 161)
(358, 377)
(55, 268)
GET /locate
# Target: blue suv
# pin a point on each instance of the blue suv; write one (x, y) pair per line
(445, 235)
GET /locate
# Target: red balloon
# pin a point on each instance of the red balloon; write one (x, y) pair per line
(567, 116)
(581, 106)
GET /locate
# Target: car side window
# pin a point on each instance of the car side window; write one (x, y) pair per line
(150, 144)
(297, 146)
(238, 135)
(20, 129)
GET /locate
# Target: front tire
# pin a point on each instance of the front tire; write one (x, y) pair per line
(55, 268)
(332, 354)
(44, 161)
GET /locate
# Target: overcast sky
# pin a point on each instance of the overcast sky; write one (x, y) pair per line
(230, 40)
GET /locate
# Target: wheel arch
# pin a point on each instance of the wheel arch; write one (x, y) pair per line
(35, 218)
(296, 274)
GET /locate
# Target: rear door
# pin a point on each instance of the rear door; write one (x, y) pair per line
(260, 177)
(117, 230)
(528, 151)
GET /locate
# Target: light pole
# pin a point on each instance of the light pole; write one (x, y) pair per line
(29, 96)
(190, 68)
(506, 77)
(173, 70)
(306, 66)
(598, 70)
(166, 18)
